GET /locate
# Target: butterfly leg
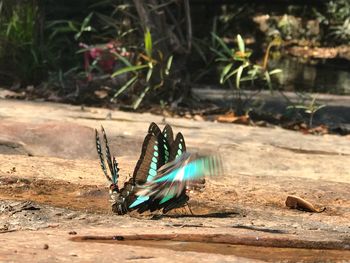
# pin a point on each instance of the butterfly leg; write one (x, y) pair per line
(189, 208)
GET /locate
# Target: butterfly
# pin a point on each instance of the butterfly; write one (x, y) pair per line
(160, 155)
(172, 149)
(156, 151)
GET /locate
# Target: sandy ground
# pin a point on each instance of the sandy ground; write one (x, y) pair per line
(51, 184)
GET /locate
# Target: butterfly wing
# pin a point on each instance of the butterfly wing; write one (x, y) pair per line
(178, 147)
(101, 157)
(155, 153)
(151, 158)
(168, 134)
(165, 139)
(172, 178)
(112, 163)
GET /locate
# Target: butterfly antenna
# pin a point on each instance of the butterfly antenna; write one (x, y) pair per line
(108, 154)
(100, 155)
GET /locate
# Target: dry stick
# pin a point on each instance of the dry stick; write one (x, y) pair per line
(143, 15)
(189, 25)
(177, 26)
(258, 239)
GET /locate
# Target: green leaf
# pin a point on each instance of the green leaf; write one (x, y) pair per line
(238, 76)
(240, 42)
(222, 44)
(148, 43)
(229, 75)
(128, 69)
(149, 74)
(140, 98)
(221, 55)
(123, 59)
(321, 106)
(72, 26)
(86, 21)
(275, 71)
(126, 85)
(168, 65)
(268, 80)
(222, 60)
(224, 72)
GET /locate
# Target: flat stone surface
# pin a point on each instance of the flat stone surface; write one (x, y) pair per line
(47, 156)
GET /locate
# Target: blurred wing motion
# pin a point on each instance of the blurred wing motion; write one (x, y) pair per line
(174, 177)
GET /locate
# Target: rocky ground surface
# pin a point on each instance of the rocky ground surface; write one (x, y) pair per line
(54, 199)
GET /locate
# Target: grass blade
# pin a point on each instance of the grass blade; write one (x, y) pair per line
(122, 59)
(128, 69)
(126, 85)
(224, 72)
(168, 65)
(140, 98)
(240, 42)
(148, 43)
(149, 74)
(222, 44)
(238, 76)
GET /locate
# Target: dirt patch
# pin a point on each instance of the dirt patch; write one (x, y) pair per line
(58, 193)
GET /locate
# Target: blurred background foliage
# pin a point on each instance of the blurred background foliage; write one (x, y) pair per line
(129, 52)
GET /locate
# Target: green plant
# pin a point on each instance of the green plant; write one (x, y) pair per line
(334, 17)
(148, 72)
(341, 32)
(70, 26)
(19, 42)
(309, 109)
(236, 65)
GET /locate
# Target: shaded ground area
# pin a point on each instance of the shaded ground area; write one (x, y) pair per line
(272, 108)
(48, 157)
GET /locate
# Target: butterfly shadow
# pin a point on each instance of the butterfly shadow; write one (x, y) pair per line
(225, 214)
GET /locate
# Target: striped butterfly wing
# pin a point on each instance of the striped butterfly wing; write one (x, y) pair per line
(112, 163)
(165, 139)
(168, 149)
(178, 147)
(155, 153)
(168, 134)
(151, 158)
